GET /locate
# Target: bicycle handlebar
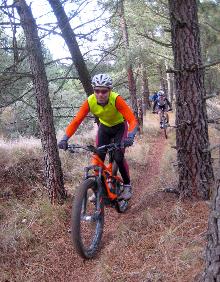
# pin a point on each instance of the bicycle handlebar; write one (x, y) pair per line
(93, 149)
(161, 110)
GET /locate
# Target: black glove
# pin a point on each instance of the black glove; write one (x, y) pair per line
(63, 144)
(129, 141)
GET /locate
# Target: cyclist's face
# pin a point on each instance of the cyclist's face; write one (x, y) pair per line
(102, 95)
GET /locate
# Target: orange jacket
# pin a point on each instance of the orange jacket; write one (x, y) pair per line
(121, 106)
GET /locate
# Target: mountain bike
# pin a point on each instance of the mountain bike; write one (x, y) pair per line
(163, 121)
(101, 187)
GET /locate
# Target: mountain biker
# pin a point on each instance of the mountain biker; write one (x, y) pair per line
(154, 96)
(162, 104)
(114, 114)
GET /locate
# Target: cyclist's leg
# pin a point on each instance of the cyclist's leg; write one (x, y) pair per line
(165, 113)
(103, 137)
(120, 132)
(160, 113)
(125, 135)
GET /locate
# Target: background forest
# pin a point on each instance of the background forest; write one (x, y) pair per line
(99, 36)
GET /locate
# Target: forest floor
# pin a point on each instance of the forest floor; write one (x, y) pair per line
(160, 237)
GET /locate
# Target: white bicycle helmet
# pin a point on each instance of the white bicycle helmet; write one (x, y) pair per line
(102, 80)
(161, 93)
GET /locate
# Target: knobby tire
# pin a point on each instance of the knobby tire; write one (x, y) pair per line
(117, 205)
(81, 199)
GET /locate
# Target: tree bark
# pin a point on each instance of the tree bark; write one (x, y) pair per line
(162, 80)
(212, 269)
(195, 168)
(170, 85)
(72, 45)
(52, 169)
(131, 80)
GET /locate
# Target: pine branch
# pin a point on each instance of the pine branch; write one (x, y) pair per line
(214, 120)
(17, 99)
(155, 40)
(57, 60)
(213, 27)
(63, 77)
(158, 14)
(210, 65)
(193, 67)
(8, 23)
(162, 56)
(209, 96)
(210, 148)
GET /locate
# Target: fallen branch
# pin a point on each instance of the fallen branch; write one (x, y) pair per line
(214, 120)
(171, 190)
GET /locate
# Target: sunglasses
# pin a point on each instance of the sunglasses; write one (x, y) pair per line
(102, 91)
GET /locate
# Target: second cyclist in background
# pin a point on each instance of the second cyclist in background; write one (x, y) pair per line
(162, 104)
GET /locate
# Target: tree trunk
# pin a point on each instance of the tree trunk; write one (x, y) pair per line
(52, 170)
(212, 269)
(132, 89)
(169, 85)
(72, 45)
(140, 115)
(195, 168)
(145, 90)
(162, 80)
(131, 80)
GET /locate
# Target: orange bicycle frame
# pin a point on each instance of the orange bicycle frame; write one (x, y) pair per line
(106, 170)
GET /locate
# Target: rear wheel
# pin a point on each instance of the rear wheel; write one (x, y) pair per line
(87, 219)
(164, 123)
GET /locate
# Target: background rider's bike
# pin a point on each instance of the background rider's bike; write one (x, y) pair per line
(101, 187)
(163, 121)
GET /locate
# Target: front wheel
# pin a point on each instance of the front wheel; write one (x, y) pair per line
(87, 219)
(164, 126)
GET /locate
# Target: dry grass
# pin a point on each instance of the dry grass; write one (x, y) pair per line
(21, 167)
(29, 229)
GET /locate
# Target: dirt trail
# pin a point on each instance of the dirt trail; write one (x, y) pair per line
(142, 185)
